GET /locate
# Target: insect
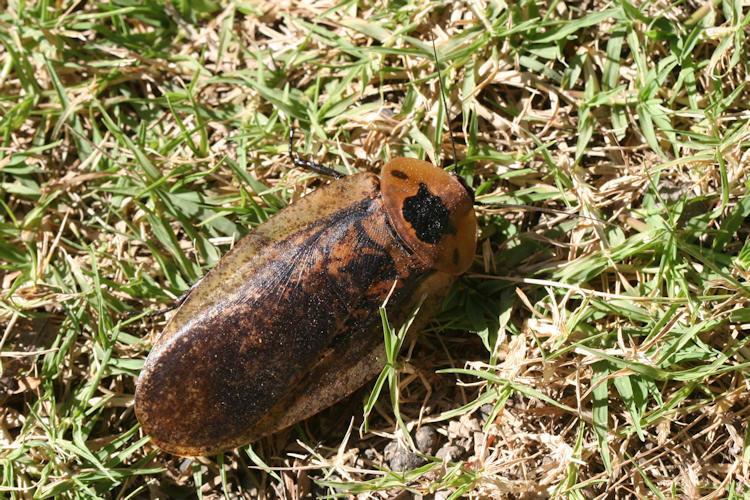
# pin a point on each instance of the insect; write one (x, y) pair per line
(287, 322)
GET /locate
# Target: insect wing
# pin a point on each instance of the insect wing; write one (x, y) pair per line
(291, 298)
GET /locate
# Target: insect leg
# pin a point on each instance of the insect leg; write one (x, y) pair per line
(177, 303)
(309, 164)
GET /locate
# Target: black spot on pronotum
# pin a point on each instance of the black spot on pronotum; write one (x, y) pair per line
(398, 174)
(455, 256)
(427, 215)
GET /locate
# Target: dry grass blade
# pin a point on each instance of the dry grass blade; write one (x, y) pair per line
(575, 360)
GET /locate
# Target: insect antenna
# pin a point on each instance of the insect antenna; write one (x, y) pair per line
(445, 105)
(308, 164)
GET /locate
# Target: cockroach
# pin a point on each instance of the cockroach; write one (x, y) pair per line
(287, 322)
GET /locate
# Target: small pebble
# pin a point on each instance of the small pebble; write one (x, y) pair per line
(425, 440)
(404, 460)
(390, 450)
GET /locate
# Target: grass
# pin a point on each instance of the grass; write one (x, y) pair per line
(575, 359)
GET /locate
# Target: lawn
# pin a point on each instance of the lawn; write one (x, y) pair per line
(599, 352)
